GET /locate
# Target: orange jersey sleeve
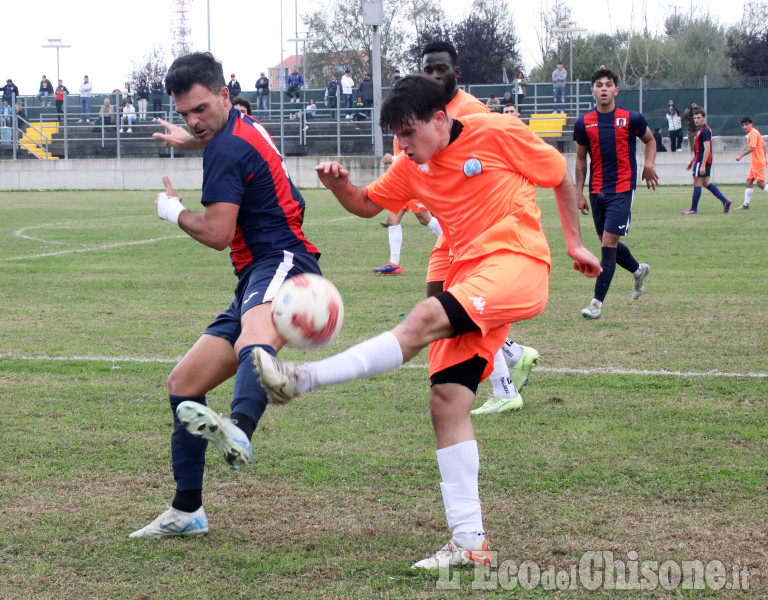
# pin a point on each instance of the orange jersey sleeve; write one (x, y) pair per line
(755, 141)
(482, 187)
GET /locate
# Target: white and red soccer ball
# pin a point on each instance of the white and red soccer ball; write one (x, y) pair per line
(308, 311)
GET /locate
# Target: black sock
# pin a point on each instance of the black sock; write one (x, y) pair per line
(245, 423)
(188, 500)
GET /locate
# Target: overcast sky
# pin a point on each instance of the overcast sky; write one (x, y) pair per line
(245, 36)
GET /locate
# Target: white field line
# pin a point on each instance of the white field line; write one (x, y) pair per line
(22, 234)
(562, 370)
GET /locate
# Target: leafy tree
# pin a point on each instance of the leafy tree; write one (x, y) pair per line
(748, 44)
(695, 46)
(486, 43)
(154, 62)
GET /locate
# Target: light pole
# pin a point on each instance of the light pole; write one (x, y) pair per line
(570, 28)
(56, 43)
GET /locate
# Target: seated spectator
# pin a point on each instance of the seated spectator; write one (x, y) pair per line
(242, 105)
(507, 99)
(5, 114)
(21, 118)
(361, 115)
(494, 104)
(106, 113)
(129, 115)
(309, 112)
(659, 143)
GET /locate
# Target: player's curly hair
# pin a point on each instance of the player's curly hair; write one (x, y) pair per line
(197, 67)
(413, 98)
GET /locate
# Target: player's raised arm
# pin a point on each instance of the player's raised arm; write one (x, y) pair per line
(355, 199)
(567, 206)
(178, 137)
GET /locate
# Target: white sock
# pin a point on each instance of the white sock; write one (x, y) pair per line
(369, 358)
(459, 466)
(765, 189)
(748, 196)
(434, 227)
(512, 352)
(500, 379)
(395, 243)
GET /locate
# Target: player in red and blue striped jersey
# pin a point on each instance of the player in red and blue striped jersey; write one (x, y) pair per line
(608, 134)
(252, 207)
(701, 164)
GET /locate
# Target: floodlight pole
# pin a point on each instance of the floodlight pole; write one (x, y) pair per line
(570, 28)
(56, 43)
(373, 15)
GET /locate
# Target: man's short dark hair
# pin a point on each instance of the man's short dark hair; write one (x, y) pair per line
(198, 67)
(413, 98)
(242, 102)
(600, 73)
(746, 120)
(699, 111)
(440, 46)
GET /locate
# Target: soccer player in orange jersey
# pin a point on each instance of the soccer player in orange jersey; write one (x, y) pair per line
(478, 176)
(756, 150)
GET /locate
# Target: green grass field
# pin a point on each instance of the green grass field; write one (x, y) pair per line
(644, 432)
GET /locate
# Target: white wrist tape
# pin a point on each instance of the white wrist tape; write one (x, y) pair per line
(169, 208)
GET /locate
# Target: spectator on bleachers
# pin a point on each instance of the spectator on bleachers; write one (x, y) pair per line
(347, 84)
(143, 93)
(21, 118)
(9, 90)
(129, 115)
(309, 112)
(493, 103)
(294, 83)
(106, 112)
(242, 105)
(5, 114)
(46, 89)
(233, 86)
(86, 91)
(332, 92)
(366, 90)
(157, 91)
(61, 91)
(507, 99)
(262, 97)
(126, 93)
(396, 77)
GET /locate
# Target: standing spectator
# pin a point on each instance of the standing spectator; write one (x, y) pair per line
(756, 150)
(396, 76)
(693, 128)
(126, 93)
(659, 142)
(494, 104)
(366, 90)
(520, 82)
(86, 92)
(46, 89)
(700, 164)
(294, 83)
(347, 84)
(61, 91)
(129, 114)
(332, 92)
(157, 91)
(675, 127)
(262, 97)
(609, 133)
(233, 86)
(143, 94)
(559, 76)
(5, 113)
(106, 112)
(9, 91)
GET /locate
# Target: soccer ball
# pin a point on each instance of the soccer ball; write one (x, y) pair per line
(308, 311)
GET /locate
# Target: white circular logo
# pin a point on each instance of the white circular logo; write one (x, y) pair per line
(473, 167)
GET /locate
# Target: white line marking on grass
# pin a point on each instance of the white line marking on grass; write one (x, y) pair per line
(562, 370)
(92, 248)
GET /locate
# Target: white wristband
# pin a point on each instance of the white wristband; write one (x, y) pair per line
(169, 208)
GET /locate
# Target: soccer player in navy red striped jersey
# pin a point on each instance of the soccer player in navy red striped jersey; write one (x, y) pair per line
(701, 164)
(608, 134)
(251, 206)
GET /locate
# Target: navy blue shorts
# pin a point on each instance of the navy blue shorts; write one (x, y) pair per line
(259, 285)
(612, 212)
(700, 170)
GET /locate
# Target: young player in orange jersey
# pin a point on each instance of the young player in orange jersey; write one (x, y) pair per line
(478, 176)
(756, 151)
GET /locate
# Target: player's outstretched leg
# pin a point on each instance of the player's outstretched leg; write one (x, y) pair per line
(229, 439)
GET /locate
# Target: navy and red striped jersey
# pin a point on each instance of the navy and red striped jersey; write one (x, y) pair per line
(704, 135)
(241, 165)
(611, 140)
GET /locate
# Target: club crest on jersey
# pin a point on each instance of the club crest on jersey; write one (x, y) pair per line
(621, 122)
(473, 167)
